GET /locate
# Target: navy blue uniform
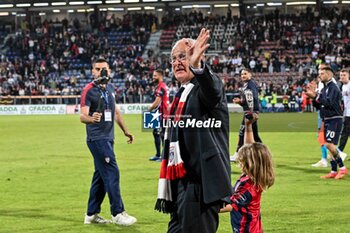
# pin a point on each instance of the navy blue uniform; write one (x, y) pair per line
(100, 140)
(90, 97)
(250, 103)
(329, 104)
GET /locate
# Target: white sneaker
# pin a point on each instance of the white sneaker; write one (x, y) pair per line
(342, 155)
(95, 219)
(321, 163)
(123, 219)
(234, 157)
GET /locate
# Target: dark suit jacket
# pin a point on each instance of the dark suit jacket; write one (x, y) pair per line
(205, 151)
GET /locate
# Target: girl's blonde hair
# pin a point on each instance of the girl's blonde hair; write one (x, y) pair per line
(256, 162)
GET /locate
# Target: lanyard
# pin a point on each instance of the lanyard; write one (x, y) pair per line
(105, 97)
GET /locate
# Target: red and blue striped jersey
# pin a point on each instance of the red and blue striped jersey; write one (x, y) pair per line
(162, 92)
(245, 215)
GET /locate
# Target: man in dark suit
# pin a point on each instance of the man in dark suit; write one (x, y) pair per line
(202, 139)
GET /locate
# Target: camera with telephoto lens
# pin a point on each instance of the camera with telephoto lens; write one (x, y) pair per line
(104, 78)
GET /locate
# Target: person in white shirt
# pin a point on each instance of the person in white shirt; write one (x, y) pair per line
(320, 125)
(252, 64)
(344, 79)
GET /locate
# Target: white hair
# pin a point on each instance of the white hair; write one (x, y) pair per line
(189, 40)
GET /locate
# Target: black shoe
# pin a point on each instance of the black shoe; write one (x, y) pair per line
(155, 158)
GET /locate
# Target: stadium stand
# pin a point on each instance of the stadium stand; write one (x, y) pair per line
(54, 58)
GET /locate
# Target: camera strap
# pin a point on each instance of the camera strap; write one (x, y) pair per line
(105, 97)
(107, 111)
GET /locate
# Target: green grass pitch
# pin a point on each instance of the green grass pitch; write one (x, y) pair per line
(46, 170)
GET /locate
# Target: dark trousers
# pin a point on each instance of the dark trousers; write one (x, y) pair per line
(105, 178)
(241, 134)
(191, 214)
(158, 135)
(345, 133)
(292, 107)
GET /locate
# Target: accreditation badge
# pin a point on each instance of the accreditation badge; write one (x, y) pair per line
(108, 115)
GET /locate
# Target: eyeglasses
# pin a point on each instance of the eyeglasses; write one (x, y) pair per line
(181, 57)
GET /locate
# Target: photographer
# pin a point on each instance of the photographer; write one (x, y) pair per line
(249, 100)
(98, 112)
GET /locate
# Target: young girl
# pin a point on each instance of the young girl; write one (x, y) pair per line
(257, 176)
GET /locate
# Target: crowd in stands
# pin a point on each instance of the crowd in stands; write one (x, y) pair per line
(284, 51)
(50, 58)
